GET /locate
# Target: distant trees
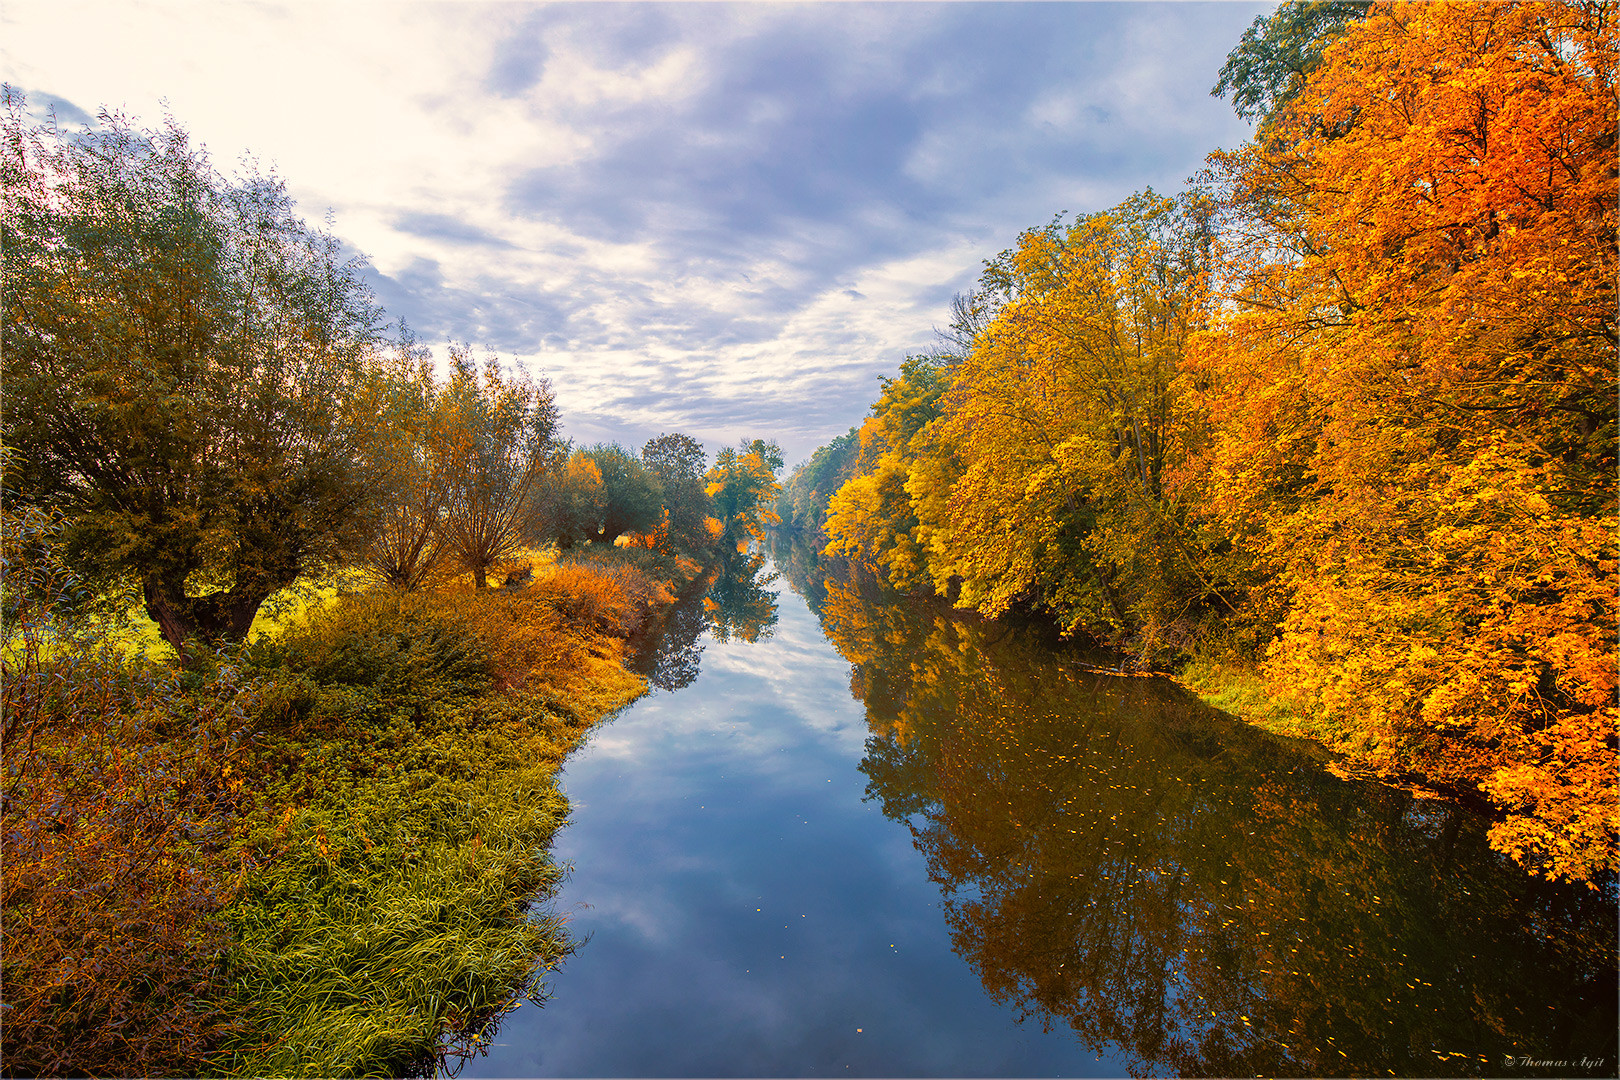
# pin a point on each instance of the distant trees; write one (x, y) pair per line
(1045, 466)
(181, 355)
(743, 487)
(679, 463)
(564, 504)
(803, 503)
(605, 492)
(871, 517)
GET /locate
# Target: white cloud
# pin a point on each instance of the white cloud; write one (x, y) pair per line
(666, 207)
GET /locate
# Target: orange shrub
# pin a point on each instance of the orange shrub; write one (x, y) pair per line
(117, 780)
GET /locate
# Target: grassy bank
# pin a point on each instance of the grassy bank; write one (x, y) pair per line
(316, 858)
(1238, 688)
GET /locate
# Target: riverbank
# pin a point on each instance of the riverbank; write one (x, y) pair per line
(352, 824)
(1240, 690)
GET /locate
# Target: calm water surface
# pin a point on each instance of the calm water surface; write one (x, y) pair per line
(849, 836)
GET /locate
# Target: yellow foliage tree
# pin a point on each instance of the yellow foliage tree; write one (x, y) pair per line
(1069, 432)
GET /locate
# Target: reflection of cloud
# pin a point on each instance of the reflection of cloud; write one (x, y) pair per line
(747, 909)
(741, 210)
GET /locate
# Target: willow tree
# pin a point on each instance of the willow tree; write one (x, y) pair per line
(180, 358)
(408, 544)
(495, 436)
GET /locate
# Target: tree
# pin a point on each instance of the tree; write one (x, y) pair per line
(564, 504)
(871, 517)
(495, 435)
(631, 496)
(743, 486)
(803, 504)
(1414, 391)
(408, 541)
(181, 355)
(1057, 471)
(678, 461)
(1279, 50)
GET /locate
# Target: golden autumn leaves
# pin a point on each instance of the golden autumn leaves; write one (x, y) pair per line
(1347, 407)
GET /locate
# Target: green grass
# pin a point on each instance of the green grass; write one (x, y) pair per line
(401, 812)
(372, 830)
(1240, 689)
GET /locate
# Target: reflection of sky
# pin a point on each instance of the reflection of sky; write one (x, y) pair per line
(747, 911)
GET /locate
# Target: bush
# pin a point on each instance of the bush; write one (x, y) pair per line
(118, 781)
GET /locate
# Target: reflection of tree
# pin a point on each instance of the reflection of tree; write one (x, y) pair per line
(733, 600)
(796, 554)
(1118, 857)
(740, 603)
(669, 653)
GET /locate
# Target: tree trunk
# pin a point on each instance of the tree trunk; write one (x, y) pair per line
(221, 616)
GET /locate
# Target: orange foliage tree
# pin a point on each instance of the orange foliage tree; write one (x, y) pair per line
(1413, 384)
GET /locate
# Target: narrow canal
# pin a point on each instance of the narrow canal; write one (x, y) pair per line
(849, 836)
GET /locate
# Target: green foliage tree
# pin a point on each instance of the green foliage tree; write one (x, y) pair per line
(1278, 51)
(679, 463)
(495, 435)
(564, 503)
(803, 503)
(631, 496)
(181, 357)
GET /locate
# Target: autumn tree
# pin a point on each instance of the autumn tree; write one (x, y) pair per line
(495, 434)
(870, 518)
(181, 356)
(408, 542)
(1414, 389)
(1070, 432)
(743, 488)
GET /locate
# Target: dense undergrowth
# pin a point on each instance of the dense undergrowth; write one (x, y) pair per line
(315, 855)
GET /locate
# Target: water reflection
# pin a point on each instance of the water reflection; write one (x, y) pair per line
(740, 603)
(1121, 859)
(733, 601)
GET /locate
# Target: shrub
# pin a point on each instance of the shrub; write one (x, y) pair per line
(117, 776)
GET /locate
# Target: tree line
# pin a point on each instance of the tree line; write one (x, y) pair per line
(200, 386)
(1343, 408)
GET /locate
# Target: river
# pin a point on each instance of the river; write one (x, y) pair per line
(852, 835)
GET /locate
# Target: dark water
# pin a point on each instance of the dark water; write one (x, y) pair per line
(852, 836)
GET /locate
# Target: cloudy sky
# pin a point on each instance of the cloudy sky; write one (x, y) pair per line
(713, 218)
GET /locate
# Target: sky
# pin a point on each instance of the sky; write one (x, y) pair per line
(721, 219)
